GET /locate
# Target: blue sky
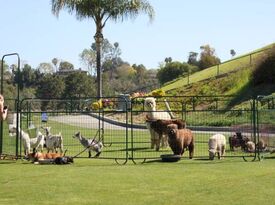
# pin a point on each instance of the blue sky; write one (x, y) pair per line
(180, 26)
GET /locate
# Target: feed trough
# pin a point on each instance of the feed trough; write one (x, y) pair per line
(170, 157)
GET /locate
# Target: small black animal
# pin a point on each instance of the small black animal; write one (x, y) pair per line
(63, 160)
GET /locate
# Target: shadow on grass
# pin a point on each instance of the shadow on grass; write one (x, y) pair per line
(248, 92)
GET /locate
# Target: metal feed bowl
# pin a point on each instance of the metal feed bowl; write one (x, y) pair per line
(170, 157)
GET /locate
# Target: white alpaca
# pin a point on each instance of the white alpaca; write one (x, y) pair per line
(152, 115)
(216, 144)
(29, 143)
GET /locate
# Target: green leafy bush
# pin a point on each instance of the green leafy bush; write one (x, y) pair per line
(264, 71)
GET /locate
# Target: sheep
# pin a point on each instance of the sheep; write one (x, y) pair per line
(216, 144)
(53, 142)
(150, 105)
(261, 145)
(90, 144)
(238, 140)
(160, 127)
(250, 146)
(180, 139)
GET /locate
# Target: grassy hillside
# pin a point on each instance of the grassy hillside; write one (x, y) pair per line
(234, 65)
(229, 78)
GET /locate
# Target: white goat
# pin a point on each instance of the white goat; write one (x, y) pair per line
(28, 142)
(90, 144)
(53, 142)
(216, 144)
(38, 142)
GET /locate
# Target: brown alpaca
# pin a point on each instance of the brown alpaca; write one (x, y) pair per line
(180, 139)
(160, 127)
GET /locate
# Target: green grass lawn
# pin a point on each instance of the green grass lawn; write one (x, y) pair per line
(90, 181)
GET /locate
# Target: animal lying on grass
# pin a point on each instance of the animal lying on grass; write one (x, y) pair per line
(50, 158)
(180, 139)
(90, 144)
(216, 144)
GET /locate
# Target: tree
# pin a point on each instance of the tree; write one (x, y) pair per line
(232, 52)
(55, 62)
(28, 76)
(45, 68)
(264, 70)
(65, 65)
(208, 57)
(78, 85)
(109, 55)
(50, 87)
(140, 74)
(172, 71)
(88, 58)
(101, 11)
(168, 60)
(192, 58)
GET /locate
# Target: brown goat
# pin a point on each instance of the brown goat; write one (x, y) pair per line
(160, 127)
(180, 139)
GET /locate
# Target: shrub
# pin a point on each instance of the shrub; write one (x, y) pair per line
(264, 71)
(97, 105)
(158, 93)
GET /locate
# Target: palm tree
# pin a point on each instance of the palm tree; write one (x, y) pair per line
(101, 11)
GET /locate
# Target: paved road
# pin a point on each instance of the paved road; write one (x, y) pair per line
(84, 121)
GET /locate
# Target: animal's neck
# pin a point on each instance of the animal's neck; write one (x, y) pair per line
(82, 139)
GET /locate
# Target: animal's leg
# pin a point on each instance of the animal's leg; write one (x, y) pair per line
(191, 150)
(153, 138)
(152, 134)
(97, 154)
(90, 154)
(157, 141)
(152, 142)
(223, 151)
(61, 148)
(219, 154)
(164, 141)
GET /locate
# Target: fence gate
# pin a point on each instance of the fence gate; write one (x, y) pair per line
(266, 126)
(92, 118)
(120, 124)
(205, 116)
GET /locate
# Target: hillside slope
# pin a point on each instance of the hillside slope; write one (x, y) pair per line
(230, 78)
(233, 65)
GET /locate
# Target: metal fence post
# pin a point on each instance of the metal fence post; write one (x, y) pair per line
(2, 92)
